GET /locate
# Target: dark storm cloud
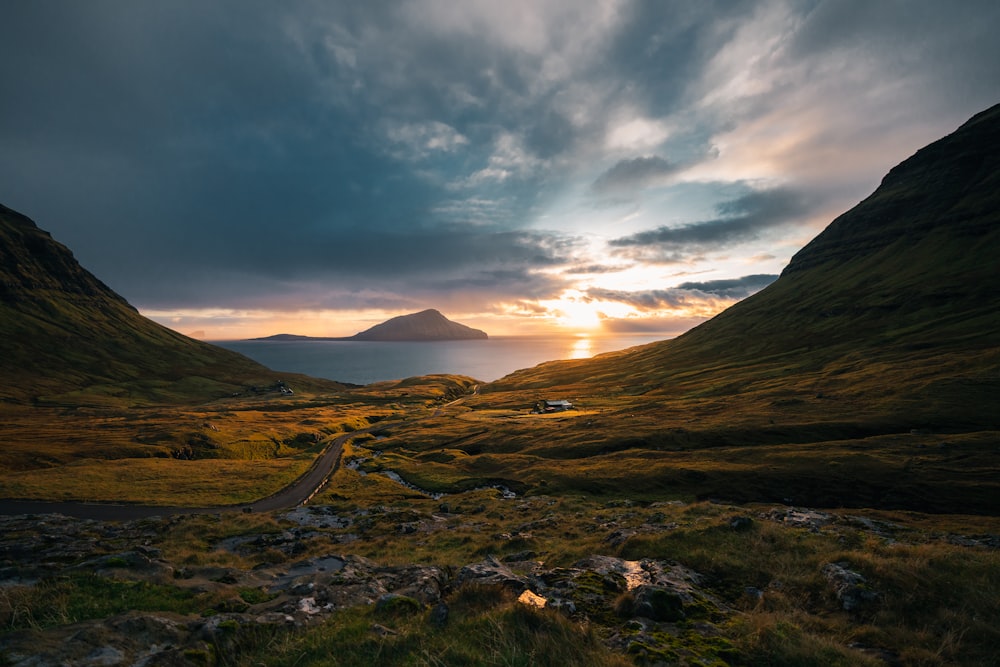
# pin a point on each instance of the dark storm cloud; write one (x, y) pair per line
(739, 219)
(292, 154)
(273, 269)
(195, 142)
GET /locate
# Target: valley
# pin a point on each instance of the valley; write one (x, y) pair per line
(810, 477)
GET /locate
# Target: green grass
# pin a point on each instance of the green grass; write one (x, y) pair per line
(79, 597)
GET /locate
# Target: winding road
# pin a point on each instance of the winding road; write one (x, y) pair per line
(293, 495)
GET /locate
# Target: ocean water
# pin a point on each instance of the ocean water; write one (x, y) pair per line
(364, 362)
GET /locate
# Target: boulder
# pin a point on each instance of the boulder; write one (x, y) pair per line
(850, 587)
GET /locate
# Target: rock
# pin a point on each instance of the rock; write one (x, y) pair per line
(809, 519)
(530, 599)
(493, 572)
(740, 523)
(105, 655)
(658, 604)
(986, 541)
(316, 517)
(619, 537)
(439, 615)
(849, 586)
(567, 607)
(421, 582)
(309, 606)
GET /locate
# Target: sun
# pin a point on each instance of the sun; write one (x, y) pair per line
(575, 311)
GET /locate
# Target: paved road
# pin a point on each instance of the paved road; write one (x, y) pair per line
(293, 495)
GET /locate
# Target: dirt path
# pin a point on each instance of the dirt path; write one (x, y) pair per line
(293, 495)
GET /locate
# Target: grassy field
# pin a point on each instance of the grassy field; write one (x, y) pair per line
(218, 453)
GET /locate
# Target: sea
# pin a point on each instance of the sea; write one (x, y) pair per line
(365, 362)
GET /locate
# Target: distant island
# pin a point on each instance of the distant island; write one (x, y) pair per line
(427, 325)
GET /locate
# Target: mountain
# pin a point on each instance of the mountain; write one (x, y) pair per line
(65, 336)
(894, 309)
(427, 325)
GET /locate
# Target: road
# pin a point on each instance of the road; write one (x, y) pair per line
(293, 495)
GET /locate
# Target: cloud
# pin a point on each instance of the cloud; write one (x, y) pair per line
(665, 309)
(228, 153)
(423, 139)
(393, 264)
(633, 174)
(649, 300)
(731, 288)
(738, 220)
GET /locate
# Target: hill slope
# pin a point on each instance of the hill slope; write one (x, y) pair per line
(65, 336)
(894, 305)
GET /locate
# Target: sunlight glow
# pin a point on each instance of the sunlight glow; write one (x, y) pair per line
(577, 312)
(583, 348)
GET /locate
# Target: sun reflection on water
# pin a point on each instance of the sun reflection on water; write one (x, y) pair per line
(583, 348)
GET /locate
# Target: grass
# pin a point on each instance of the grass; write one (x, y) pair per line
(156, 481)
(485, 627)
(223, 452)
(78, 597)
(934, 603)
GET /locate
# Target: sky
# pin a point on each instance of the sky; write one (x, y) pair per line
(241, 168)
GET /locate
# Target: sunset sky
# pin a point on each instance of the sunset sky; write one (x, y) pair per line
(243, 168)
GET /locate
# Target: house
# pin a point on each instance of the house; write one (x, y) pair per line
(553, 406)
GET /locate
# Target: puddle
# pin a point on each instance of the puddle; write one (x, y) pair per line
(313, 566)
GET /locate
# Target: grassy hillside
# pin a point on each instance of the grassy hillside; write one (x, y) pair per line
(866, 375)
(65, 337)
(895, 302)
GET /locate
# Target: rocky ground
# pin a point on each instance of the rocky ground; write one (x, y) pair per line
(291, 578)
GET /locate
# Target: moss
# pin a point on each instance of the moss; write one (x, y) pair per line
(256, 595)
(395, 605)
(199, 657)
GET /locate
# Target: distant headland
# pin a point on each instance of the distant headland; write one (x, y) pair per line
(427, 325)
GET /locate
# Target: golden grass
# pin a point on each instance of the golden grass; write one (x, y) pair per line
(203, 483)
(220, 453)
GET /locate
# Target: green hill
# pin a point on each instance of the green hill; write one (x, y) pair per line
(65, 337)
